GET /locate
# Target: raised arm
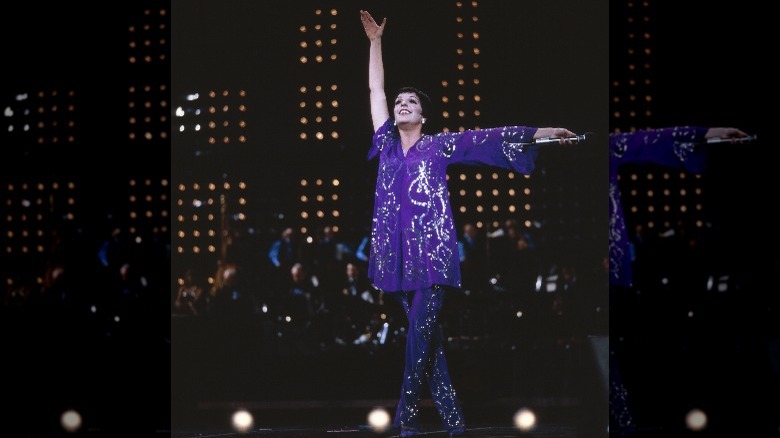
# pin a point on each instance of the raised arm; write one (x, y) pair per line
(376, 70)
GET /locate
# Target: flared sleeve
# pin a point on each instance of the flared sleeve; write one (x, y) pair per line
(671, 147)
(381, 138)
(509, 147)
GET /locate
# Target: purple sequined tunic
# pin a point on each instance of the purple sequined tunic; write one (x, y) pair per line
(672, 147)
(413, 238)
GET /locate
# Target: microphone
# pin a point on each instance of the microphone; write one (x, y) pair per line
(573, 139)
(747, 139)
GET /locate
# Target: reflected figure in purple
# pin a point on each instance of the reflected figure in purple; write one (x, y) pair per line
(682, 147)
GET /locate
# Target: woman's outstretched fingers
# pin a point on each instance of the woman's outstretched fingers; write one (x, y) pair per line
(373, 30)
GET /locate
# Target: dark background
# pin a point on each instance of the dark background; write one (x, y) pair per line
(709, 69)
(56, 353)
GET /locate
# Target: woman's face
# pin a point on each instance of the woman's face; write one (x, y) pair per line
(407, 109)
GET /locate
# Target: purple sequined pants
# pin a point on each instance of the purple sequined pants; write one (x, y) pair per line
(425, 362)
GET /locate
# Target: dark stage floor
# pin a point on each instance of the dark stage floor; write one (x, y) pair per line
(546, 430)
(555, 417)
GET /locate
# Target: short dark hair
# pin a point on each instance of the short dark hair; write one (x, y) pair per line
(425, 101)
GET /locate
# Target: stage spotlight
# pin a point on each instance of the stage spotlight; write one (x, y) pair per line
(379, 420)
(524, 419)
(696, 420)
(71, 420)
(242, 421)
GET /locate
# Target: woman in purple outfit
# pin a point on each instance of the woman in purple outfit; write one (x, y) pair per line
(674, 147)
(414, 254)
(677, 147)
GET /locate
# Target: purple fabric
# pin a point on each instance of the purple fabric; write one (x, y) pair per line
(425, 362)
(413, 240)
(672, 147)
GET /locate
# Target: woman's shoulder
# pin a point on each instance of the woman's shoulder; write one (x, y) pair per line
(388, 127)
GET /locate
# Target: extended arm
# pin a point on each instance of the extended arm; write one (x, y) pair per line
(554, 133)
(731, 133)
(510, 147)
(376, 72)
(675, 146)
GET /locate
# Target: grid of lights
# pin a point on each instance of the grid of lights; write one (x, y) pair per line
(148, 42)
(32, 211)
(657, 199)
(319, 102)
(149, 204)
(321, 204)
(319, 107)
(43, 117)
(489, 198)
(220, 117)
(460, 98)
(204, 212)
(148, 112)
(662, 200)
(631, 98)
